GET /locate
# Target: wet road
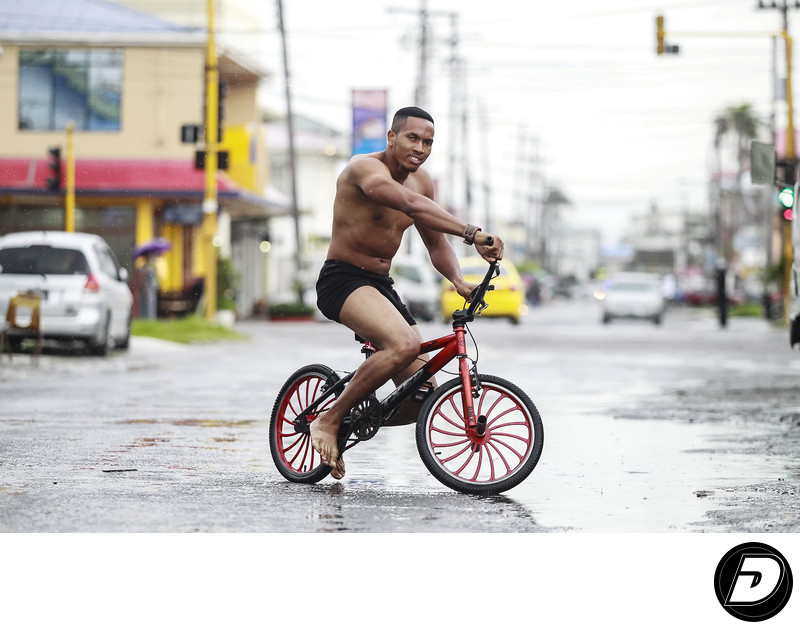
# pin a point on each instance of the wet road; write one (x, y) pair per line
(172, 438)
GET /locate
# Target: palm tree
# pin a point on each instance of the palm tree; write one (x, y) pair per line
(741, 123)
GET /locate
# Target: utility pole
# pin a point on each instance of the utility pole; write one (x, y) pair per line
(789, 161)
(292, 156)
(455, 82)
(487, 186)
(457, 91)
(210, 205)
(421, 95)
(421, 90)
(467, 175)
(69, 198)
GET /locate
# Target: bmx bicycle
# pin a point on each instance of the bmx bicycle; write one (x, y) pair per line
(476, 433)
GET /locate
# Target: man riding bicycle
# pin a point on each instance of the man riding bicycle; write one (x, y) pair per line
(378, 197)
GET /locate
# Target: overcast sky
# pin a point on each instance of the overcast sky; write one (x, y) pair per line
(615, 126)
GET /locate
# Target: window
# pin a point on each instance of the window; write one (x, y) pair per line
(56, 86)
(43, 260)
(107, 262)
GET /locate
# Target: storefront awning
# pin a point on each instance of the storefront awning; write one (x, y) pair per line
(113, 178)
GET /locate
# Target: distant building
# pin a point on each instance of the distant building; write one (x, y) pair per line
(129, 81)
(321, 154)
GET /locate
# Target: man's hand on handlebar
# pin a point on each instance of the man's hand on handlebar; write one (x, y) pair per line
(490, 251)
(465, 289)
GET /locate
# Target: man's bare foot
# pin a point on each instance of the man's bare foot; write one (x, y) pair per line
(323, 440)
(337, 471)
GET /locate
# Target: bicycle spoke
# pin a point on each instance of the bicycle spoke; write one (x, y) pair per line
(292, 452)
(452, 400)
(479, 463)
(447, 432)
(491, 444)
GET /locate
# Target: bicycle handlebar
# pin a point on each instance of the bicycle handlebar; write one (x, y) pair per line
(480, 292)
(477, 295)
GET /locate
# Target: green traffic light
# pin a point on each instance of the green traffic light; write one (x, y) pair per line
(786, 197)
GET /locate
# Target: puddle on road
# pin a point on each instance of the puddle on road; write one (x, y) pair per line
(11, 491)
(599, 474)
(147, 442)
(200, 423)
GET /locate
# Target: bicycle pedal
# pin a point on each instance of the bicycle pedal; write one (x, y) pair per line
(423, 392)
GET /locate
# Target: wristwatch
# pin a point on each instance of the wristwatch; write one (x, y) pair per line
(469, 234)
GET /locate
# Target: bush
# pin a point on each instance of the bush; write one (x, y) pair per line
(747, 310)
(191, 329)
(227, 279)
(292, 309)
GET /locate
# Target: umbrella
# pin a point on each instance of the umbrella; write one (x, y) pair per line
(157, 246)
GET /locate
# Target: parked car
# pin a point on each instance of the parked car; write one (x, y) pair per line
(415, 281)
(633, 296)
(84, 291)
(506, 300)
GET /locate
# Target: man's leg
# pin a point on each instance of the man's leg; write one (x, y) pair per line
(409, 409)
(370, 315)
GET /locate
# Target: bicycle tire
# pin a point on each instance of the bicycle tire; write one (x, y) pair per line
(291, 451)
(498, 461)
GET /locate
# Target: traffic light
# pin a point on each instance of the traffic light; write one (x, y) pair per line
(787, 186)
(661, 46)
(786, 198)
(54, 165)
(223, 91)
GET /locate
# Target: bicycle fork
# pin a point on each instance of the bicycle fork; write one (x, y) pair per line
(470, 391)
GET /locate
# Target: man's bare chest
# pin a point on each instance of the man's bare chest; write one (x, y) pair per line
(384, 218)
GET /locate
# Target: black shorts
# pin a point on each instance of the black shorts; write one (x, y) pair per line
(337, 280)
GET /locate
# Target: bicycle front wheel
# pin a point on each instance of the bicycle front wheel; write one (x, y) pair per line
(291, 451)
(490, 464)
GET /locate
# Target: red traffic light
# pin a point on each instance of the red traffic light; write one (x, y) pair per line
(788, 214)
(54, 165)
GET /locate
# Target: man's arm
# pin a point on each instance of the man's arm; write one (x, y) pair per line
(374, 180)
(377, 184)
(444, 259)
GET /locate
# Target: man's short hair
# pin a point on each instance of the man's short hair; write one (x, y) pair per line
(409, 112)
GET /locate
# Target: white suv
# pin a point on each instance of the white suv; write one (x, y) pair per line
(84, 290)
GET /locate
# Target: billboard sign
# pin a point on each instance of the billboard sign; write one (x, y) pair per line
(369, 121)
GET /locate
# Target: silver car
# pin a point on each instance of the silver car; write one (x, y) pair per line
(416, 283)
(84, 290)
(633, 296)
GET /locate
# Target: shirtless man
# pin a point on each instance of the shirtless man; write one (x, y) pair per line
(378, 197)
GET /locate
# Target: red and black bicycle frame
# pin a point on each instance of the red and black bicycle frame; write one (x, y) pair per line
(449, 347)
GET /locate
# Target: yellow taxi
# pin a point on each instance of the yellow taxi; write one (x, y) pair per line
(506, 300)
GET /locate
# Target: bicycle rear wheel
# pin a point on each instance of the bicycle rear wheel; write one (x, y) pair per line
(291, 451)
(499, 460)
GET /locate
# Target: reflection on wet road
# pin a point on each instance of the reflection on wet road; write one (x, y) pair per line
(170, 438)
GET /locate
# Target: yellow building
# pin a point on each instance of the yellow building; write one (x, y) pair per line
(130, 83)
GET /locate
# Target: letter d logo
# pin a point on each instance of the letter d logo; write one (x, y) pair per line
(753, 582)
